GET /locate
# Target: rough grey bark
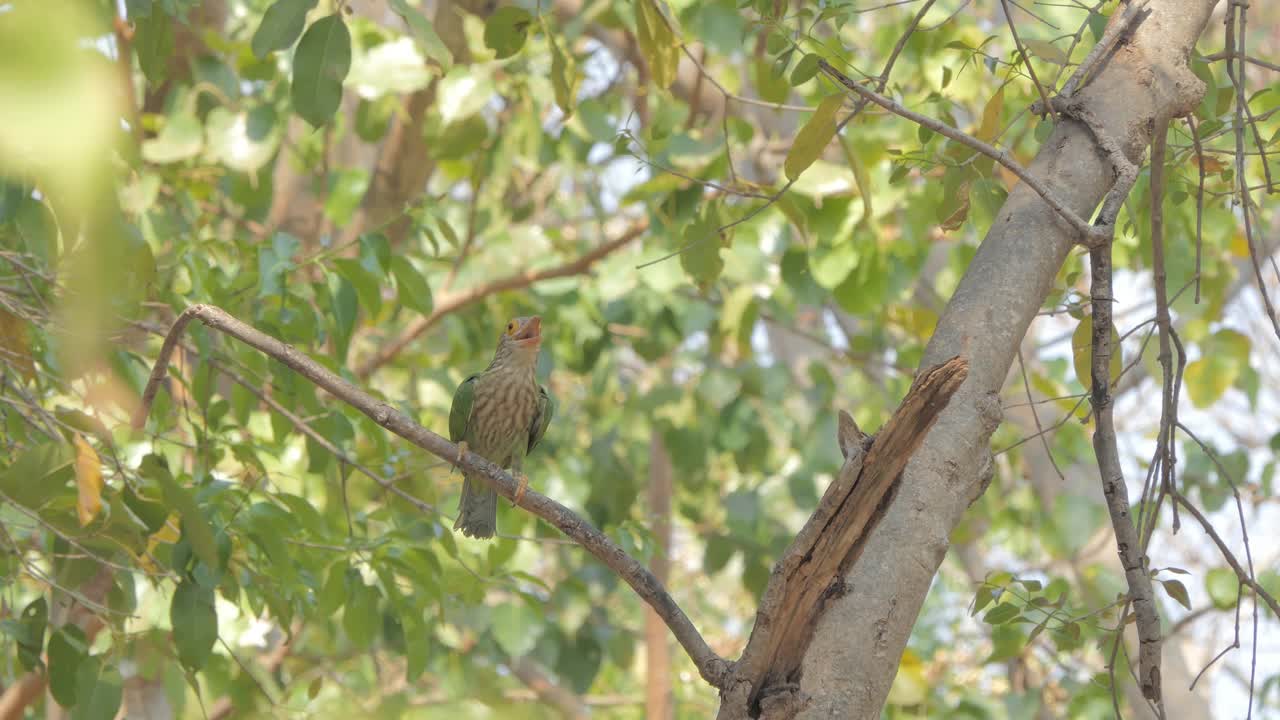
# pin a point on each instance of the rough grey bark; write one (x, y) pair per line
(853, 659)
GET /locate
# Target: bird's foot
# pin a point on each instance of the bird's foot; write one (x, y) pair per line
(462, 450)
(522, 484)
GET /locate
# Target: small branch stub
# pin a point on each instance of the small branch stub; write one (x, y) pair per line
(812, 571)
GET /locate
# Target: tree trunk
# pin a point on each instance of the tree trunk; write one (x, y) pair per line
(851, 663)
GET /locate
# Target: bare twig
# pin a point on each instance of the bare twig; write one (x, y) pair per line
(1224, 55)
(1026, 385)
(712, 667)
(1195, 140)
(1128, 542)
(1026, 60)
(1238, 126)
(547, 690)
(451, 302)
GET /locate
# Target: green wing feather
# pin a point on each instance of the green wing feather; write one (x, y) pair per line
(541, 418)
(460, 411)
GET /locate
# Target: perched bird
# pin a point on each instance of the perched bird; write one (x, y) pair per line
(500, 414)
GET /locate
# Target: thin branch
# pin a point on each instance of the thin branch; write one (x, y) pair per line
(1128, 542)
(1026, 385)
(1026, 60)
(1224, 55)
(1240, 573)
(1238, 125)
(712, 667)
(452, 302)
(1195, 140)
(547, 691)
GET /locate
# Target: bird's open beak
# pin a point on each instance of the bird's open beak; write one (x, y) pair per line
(531, 333)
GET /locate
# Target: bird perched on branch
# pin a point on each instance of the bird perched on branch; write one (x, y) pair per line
(500, 414)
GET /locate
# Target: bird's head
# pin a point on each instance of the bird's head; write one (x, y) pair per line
(521, 339)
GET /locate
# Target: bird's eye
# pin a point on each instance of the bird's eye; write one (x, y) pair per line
(511, 326)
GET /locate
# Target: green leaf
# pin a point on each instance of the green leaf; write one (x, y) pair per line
(67, 650)
(991, 117)
(1001, 614)
(275, 262)
(1177, 591)
(281, 25)
(39, 229)
(1097, 25)
(1208, 379)
(30, 634)
(772, 85)
(38, 474)
(424, 34)
(805, 70)
(181, 138)
(411, 287)
(360, 617)
(99, 691)
(195, 526)
(657, 43)
(151, 512)
(515, 627)
(416, 656)
(244, 141)
(701, 257)
(319, 67)
(564, 77)
(1045, 51)
(334, 590)
(982, 599)
(367, 285)
(813, 137)
(580, 663)
(506, 30)
(194, 622)
(153, 42)
(1082, 352)
(1223, 587)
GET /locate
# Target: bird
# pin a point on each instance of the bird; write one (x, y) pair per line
(501, 414)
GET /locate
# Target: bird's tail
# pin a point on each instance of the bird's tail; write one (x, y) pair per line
(477, 509)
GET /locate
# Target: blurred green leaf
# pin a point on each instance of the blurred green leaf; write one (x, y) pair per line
(281, 25)
(506, 30)
(195, 624)
(814, 136)
(320, 64)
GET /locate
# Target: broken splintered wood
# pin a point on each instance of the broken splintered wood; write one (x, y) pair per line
(813, 569)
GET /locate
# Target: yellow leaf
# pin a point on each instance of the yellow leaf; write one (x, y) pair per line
(657, 43)
(1239, 245)
(991, 117)
(88, 481)
(1046, 50)
(813, 137)
(1211, 165)
(1082, 352)
(167, 534)
(564, 77)
(13, 337)
(910, 686)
